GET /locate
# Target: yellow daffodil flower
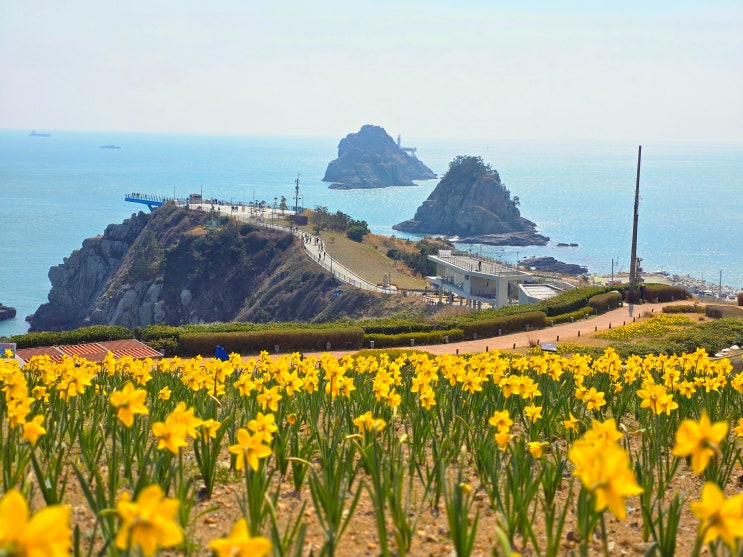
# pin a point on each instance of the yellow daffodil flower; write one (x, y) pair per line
(149, 522)
(33, 429)
(264, 426)
(209, 428)
(250, 449)
(185, 416)
(700, 440)
(594, 399)
(170, 434)
(536, 448)
(571, 424)
(533, 412)
(47, 533)
(604, 469)
(240, 544)
(129, 401)
(719, 517)
(501, 421)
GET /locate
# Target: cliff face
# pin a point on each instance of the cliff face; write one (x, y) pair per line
(372, 159)
(6, 312)
(176, 266)
(471, 202)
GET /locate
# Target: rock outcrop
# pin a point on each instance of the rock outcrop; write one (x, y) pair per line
(552, 265)
(471, 203)
(174, 266)
(6, 312)
(372, 159)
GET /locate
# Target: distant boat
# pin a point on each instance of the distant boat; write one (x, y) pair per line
(109, 146)
(34, 133)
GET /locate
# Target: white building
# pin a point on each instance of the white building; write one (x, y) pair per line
(476, 281)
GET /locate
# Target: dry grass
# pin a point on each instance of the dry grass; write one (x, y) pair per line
(368, 260)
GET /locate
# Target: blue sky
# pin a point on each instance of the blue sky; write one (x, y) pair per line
(501, 70)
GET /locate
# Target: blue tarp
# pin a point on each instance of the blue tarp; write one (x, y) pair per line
(221, 354)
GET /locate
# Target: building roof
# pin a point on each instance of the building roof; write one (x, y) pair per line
(93, 351)
(540, 291)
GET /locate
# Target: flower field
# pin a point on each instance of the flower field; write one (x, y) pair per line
(402, 454)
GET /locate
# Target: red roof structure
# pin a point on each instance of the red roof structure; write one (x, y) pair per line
(93, 351)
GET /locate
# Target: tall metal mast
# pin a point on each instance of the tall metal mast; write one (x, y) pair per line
(296, 196)
(633, 257)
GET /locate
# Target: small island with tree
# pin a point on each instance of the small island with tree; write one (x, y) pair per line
(471, 204)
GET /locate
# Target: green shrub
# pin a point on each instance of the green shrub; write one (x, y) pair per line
(418, 338)
(357, 232)
(712, 336)
(722, 310)
(570, 301)
(684, 308)
(740, 299)
(96, 333)
(572, 316)
(713, 312)
(605, 302)
(158, 332)
(393, 326)
(665, 293)
(288, 340)
(502, 325)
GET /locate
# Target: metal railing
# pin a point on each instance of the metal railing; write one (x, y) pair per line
(312, 248)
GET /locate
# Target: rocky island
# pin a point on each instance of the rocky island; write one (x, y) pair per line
(552, 265)
(372, 159)
(6, 312)
(472, 205)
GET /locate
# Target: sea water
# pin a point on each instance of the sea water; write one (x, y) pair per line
(56, 191)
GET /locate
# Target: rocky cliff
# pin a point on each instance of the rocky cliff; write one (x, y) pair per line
(372, 159)
(6, 312)
(176, 266)
(552, 265)
(471, 203)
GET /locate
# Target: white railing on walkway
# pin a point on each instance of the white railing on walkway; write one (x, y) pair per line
(314, 249)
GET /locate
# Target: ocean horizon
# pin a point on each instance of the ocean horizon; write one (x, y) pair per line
(64, 188)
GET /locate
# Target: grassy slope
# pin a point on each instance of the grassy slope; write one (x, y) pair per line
(368, 262)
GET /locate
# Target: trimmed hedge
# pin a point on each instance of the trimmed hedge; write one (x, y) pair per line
(571, 301)
(96, 333)
(288, 340)
(572, 316)
(685, 308)
(665, 293)
(394, 327)
(506, 324)
(419, 338)
(606, 301)
(722, 310)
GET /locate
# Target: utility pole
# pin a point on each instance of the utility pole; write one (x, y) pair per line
(720, 287)
(612, 270)
(296, 196)
(633, 257)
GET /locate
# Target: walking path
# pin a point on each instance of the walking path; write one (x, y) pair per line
(313, 245)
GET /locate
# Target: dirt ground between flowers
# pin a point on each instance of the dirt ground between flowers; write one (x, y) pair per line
(213, 518)
(431, 538)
